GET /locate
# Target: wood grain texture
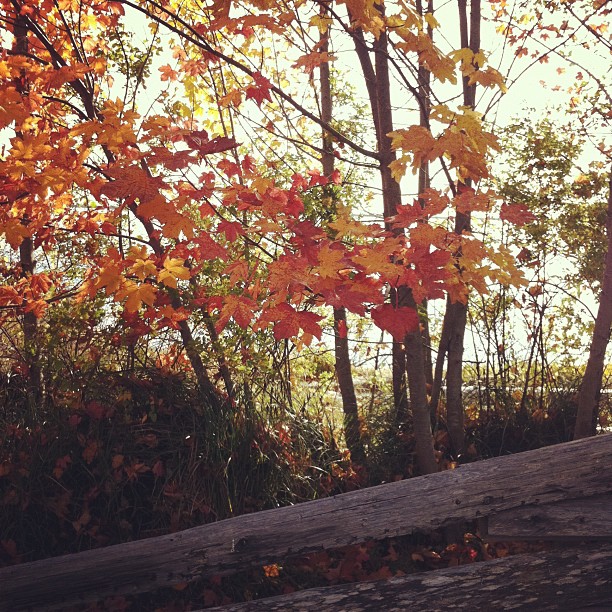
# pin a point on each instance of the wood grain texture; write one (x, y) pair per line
(565, 579)
(588, 518)
(575, 469)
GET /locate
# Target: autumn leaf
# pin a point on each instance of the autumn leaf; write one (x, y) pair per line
(488, 78)
(199, 141)
(174, 269)
(131, 182)
(310, 61)
(331, 261)
(231, 229)
(517, 213)
(397, 321)
(288, 321)
(136, 295)
(239, 307)
(260, 91)
(109, 278)
(142, 268)
(14, 231)
(168, 74)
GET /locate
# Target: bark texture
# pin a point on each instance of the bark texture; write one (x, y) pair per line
(588, 518)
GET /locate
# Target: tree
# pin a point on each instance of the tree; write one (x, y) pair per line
(582, 28)
(198, 232)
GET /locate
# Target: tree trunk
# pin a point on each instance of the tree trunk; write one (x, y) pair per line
(455, 318)
(424, 78)
(31, 351)
(408, 359)
(400, 389)
(352, 431)
(590, 388)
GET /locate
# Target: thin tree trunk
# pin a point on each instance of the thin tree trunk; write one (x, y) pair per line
(424, 79)
(590, 388)
(31, 351)
(455, 318)
(352, 431)
(400, 390)
(408, 360)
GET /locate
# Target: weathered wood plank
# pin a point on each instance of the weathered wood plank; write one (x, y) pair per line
(564, 579)
(590, 518)
(574, 469)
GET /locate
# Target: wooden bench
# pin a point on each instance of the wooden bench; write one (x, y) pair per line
(562, 493)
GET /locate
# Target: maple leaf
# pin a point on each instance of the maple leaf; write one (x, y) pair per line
(143, 268)
(288, 321)
(378, 259)
(310, 61)
(397, 321)
(467, 200)
(260, 91)
(419, 141)
(167, 73)
(132, 182)
(136, 295)
(208, 249)
(9, 296)
(109, 277)
(489, 78)
(174, 269)
(517, 213)
(14, 231)
(164, 211)
(199, 141)
(353, 294)
(231, 229)
(57, 77)
(331, 261)
(239, 307)
(231, 98)
(37, 307)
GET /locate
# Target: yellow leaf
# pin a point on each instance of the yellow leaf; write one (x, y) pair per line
(321, 22)
(398, 167)
(432, 22)
(174, 270)
(143, 268)
(136, 295)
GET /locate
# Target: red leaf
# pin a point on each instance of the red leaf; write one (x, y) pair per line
(231, 229)
(397, 321)
(288, 321)
(261, 90)
(335, 177)
(199, 141)
(516, 213)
